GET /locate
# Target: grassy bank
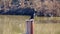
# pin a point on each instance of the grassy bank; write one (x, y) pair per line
(17, 25)
(47, 25)
(47, 28)
(12, 24)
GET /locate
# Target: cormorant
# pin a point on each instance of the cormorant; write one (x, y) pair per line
(33, 14)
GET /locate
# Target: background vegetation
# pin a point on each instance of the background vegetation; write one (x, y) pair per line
(43, 7)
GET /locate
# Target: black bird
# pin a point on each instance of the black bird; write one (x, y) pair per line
(33, 14)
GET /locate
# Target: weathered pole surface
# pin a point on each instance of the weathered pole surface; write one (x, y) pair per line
(29, 28)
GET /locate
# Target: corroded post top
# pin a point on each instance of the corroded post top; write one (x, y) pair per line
(30, 20)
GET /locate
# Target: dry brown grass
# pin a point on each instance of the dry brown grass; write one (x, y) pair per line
(12, 24)
(45, 25)
(17, 25)
(47, 28)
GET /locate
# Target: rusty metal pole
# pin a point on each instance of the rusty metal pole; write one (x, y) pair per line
(29, 28)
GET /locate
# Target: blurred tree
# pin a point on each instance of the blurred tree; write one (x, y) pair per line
(15, 2)
(42, 0)
(26, 0)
